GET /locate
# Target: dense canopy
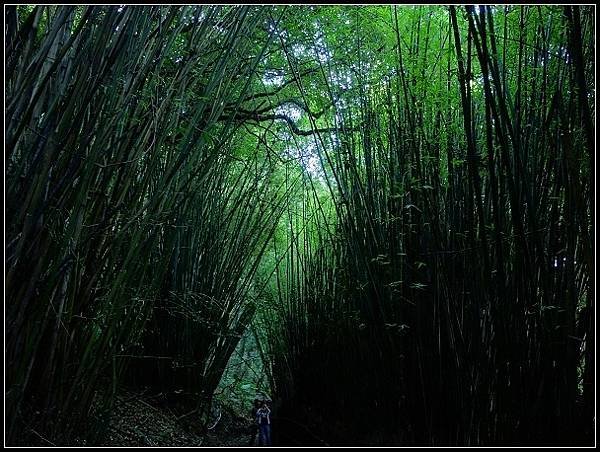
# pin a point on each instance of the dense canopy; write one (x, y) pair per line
(381, 216)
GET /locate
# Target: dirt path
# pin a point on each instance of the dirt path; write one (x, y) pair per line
(137, 422)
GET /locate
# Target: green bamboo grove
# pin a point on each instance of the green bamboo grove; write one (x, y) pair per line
(395, 203)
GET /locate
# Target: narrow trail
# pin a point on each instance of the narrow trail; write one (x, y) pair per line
(136, 421)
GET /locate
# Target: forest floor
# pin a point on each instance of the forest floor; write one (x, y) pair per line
(136, 421)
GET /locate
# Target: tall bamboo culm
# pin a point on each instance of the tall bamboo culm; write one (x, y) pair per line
(124, 205)
(454, 303)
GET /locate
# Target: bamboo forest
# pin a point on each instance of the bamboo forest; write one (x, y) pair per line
(299, 225)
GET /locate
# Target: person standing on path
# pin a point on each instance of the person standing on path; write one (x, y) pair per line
(263, 419)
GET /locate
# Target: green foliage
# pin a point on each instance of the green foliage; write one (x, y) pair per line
(303, 200)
